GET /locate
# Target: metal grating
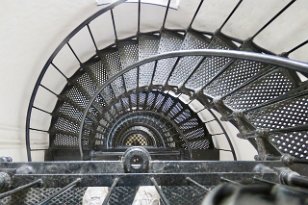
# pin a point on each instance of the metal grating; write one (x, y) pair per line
(206, 71)
(148, 45)
(187, 64)
(294, 143)
(36, 195)
(70, 111)
(178, 195)
(169, 41)
(284, 114)
(260, 91)
(97, 71)
(128, 51)
(123, 195)
(111, 61)
(77, 97)
(87, 84)
(239, 72)
(130, 79)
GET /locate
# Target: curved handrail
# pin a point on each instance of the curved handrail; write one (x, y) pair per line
(295, 65)
(50, 60)
(243, 55)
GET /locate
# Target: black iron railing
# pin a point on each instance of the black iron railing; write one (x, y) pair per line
(210, 102)
(237, 55)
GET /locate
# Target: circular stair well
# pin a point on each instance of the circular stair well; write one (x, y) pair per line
(184, 83)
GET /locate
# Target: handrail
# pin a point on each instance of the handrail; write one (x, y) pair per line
(50, 60)
(243, 55)
(299, 66)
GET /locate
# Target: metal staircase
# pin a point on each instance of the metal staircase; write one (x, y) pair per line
(158, 96)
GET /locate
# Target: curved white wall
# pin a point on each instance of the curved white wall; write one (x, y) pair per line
(31, 30)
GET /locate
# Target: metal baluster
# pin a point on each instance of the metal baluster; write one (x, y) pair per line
(114, 26)
(137, 89)
(139, 16)
(166, 14)
(220, 72)
(62, 191)
(154, 72)
(20, 188)
(34, 129)
(55, 67)
(197, 184)
(263, 181)
(287, 96)
(230, 15)
(49, 113)
(160, 192)
(195, 14)
(193, 72)
(251, 80)
(273, 18)
(229, 181)
(296, 128)
(92, 37)
(52, 92)
(173, 68)
(114, 184)
(72, 50)
(295, 48)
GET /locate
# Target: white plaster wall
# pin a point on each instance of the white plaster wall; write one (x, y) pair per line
(30, 31)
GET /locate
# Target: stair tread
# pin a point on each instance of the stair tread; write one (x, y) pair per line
(85, 85)
(111, 60)
(148, 45)
(295, 145)
(65, 126)
(96, 71)
(186, 65)
(195, 40)
(210, 66)
(61, 141)
(236, 74)
(128, 52)
(69, 110)
(207, 69)
(262, 90)
(170, 41)
(282, 114)
(75, 97)
(112, 63)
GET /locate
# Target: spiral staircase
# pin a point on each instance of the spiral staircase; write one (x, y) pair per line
(164, 101)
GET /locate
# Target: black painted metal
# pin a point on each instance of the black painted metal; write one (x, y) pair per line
(62, 191)
(50, 61)
(94, 109)
(272, 60)
(115, 181)
(267, 59)
(200, 174)
(102, 109)
(230, 15)
(273, 18)
(20, 188)
(161, 193)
